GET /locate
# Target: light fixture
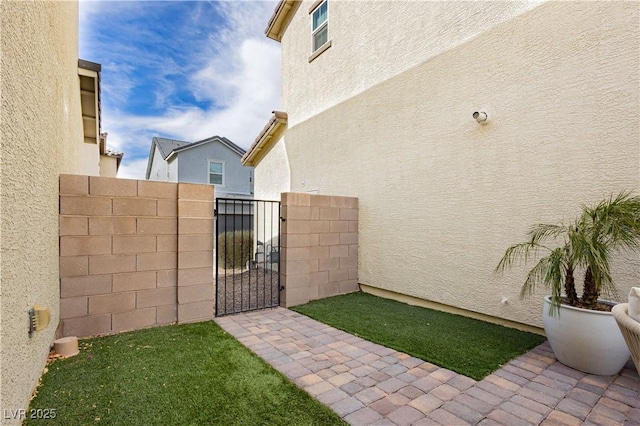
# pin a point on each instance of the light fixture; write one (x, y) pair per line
(39, 317)
(480, 116)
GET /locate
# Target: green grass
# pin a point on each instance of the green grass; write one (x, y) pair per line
(465, 345)
(192, 374)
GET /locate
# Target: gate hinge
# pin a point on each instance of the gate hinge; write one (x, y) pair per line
(282, 219)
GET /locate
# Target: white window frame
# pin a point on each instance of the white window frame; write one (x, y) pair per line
(209, 173)
(324, 25)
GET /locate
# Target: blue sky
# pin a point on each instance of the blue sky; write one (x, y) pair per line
(186, 70)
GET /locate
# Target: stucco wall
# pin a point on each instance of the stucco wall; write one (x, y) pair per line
(41, 133)
(441, 196)
(371, 41)
(91, 159)
(108, 166)
(272, 174)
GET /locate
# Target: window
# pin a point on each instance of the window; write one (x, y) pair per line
(320, 31)
(216, 173)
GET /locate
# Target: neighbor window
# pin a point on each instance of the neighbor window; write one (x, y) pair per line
(216, 172)
(320, 30)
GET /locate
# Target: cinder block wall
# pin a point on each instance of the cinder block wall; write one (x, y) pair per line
(195, 252)
(319, 247)
(133, 254)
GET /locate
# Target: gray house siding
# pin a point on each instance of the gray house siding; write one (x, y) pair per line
(172, 160)
(172, 165)
(177, 161)
(194, 168)
(159, 167)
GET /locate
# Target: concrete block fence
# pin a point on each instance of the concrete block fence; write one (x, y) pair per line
(133, 254)
(136, 254)
(319, 247)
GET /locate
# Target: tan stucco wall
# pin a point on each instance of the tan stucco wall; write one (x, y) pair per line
(91, 159)
(372, 41)
(441, 196)
(108, 166)
(272, 174)
(416, 301)
(41, 131)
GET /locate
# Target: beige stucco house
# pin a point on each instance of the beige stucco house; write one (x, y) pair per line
(50, 125)
(378, 102)
(98, 159)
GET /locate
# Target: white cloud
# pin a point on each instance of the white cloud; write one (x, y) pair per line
(250, 94)
(132, 168)
(235, 70)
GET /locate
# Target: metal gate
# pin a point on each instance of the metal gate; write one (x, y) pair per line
(247, 255)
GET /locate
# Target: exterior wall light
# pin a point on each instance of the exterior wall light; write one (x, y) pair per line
(39, 317)
(480, 117)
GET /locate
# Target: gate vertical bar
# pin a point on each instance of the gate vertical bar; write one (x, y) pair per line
(271, 259)
(243, 250)
(279, 221)
(264, 248)
(233, 264)
(216, 256)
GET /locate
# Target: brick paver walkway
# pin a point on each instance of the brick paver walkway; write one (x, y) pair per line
(369, 384)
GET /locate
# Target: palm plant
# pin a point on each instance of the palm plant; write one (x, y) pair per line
(588, 242)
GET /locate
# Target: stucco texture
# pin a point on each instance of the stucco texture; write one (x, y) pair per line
(384, 40)
(273, 170)
(441, 196)
(41, 131)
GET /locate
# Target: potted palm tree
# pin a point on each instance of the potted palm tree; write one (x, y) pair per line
(581, 330)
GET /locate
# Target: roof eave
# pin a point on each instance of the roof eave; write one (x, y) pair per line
(266, 139)
(221, 139)
(171, 155)
(279, 21)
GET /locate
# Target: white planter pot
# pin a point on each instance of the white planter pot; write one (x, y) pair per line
(589, 341)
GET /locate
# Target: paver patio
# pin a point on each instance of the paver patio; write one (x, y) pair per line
(369, 384)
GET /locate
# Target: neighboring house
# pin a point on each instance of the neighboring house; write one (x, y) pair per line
(216, 161)
(378, 102)
(44, 101)
(98, 160)
(109, 159)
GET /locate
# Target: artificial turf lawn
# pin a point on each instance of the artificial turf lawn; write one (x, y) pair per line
(194, 374)
(468, 346)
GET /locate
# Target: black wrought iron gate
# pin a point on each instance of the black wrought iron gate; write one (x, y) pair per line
(247, 255)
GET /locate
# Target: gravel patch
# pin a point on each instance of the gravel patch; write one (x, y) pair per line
(241, 291)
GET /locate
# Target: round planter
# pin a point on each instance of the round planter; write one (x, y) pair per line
(586, 340)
